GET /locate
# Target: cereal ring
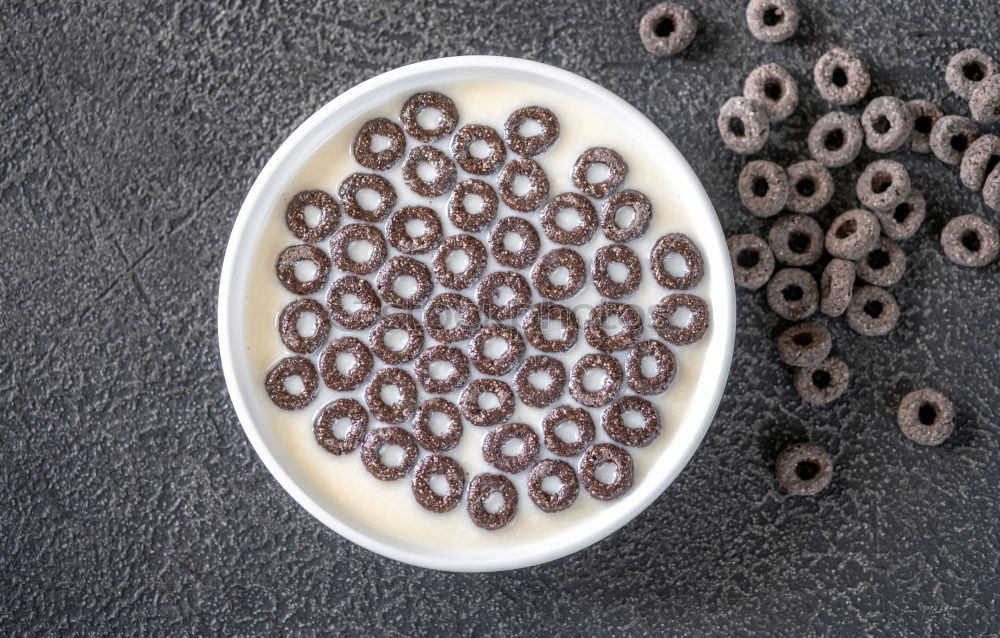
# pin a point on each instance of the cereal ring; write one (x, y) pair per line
(381, 438)
(985, 101)
(599, 455)
(677, 244)
(752, 259)
(475, 255)
(836, 285)
(763, 188)
(873, 311)
(979, 160)
(743, 125)
(486, 295)
(970, 240)
(360, 289)
(531, 145)
(903, 221)
(888, 124)
(580, 418)
(824, 383)
(596, 334)
(925, 116)
(883, 185)
(435, 465)
(803, 469)
(774, 88)
(991, 190)
(354, 184)
(883, 265)
(680, 335)
(403, 407)
(841, 77)
(613, 376)
(810, 187)
(667, 29)
(951, 136)
(926, 417)
(772, 20)
(287, 368)
(340, 248)
(792, 294)
(605, 283)
(642, 213)
(455, 379)
(396, 268)
(335, 410)
(429, 100)
(617, 169)
(288, 325)
(386, 158)
(399, 234)
(852, 234)
(796, 240)
(563, 497)
(451, 305)
(444, 171)
(461, 149)
(523, 256)
(481, 487)
(458, 209)
(496, 366)
(397, 321)
(422, 431)
(968, 69)
(354, 376)
(538, 185)
(805, 345)
(546, 311)
(329, 215)
(613, 422)
(292, 255)
(494, 441)
(539, 397)
(836, 139)
(552, 261)
(578, 235)
(666, 367)
(470, 402)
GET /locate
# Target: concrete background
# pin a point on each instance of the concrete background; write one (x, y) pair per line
(131, 501)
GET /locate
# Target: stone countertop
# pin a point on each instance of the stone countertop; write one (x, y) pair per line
(132, 502)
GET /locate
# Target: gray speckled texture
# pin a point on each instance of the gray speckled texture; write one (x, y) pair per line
(132, 502)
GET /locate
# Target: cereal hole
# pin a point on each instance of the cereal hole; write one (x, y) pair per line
(802, 338)
(551, 484)
(799, 242)
(959, 143)
(923, 124)
(405, 286)
(821, 378)
(649, 367)
(773, 91)
(351, 303)
(760, 187)
(512, 447)
(681, 318)
(970, 239)
(493, 503)
(340, 427)
(747, 258)
(881, 182)
(613, 325)
(792, 293)
(806, 470)
(881, 125)
(568, 219)
(559, 276)
(597, 172)
(294, 384)
(606, 473)
(439, 484)
(633, 419)
(513, 242)
(973, 71)
(846, 229)
(345, 362)
(429, 118)
(391, 455)
(479, 149)
(773, 16)
(665, 27)
(540, 379)
(379, 143)
(594, 379)
(457, 261)
(473, 203)
(426, 172)
(416, 228)
(495, 347)
(440, 370)
(368, 199)
(834, 140)
(529, 128)
(568, 432)
(304, 270)
(504, 295)
(312, 215)
(675, 265)
(991, 163)
(396, 339)
(488, 401)
(617, 271)
(521, 185)
(391, 394)
(927, 413)
(624, 216)
(438, 423)
(306, 324)
(874, 308)
(736, 127)
(806, 187)
(552, 329)
(901, 213)
(360, 250)
(839, 77)
(878, 259)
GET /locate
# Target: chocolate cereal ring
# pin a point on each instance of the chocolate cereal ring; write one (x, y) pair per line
(461, 149)
(471, 405)
(667, 29)
(680, 335)
(345, 380)
(603, 395)
(792, 294)
(841, 77)
(538, 185)
(968, 69)
(951, 136)
(810, 187)
(596, 334)
(381, 438)
(429, 100)
(796, 240)
(399, 234)
(803, 469)
(752, 260)
(925, 116)
(458, 208)
(677, 244)
(521, 257)
(970, 240)
(531, 394)
(454, 381)
(665, 366)
(991, 190)
(835, 287)
(491, 285)
(743, 125)
(397, 321)
(605, 283)
(292, 255)
(873, 311)
(979, 160)
(581, 420)
(541, 315)
(926, 417)
(444, 171)
(884, 264)
(404, 406)
(569, 485)
(329, 215)
(903, 221)
(348, 409)
(422, 431)
(481, 487)
(763, 188)
(531, 145)
(386, 158)
(436, 465)
(883, 185)
(824, 383)
(595, 457)
(985, 101)
(617, 169)
(494, 441)
(552, 261)
(613, 422)
(852, 234)
(836, 139)
(579, 234)
(288, 325)
(775, 88)
(340, 248)
(634, 228)
(512, 353)
(354, 184)
(287, 368)
(451, 305)
(888, 124)
(805, 345)
(396, 268)
(475, 256)
(360, 289)
(772, 20)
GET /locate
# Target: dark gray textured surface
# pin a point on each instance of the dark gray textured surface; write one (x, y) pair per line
(131, 501)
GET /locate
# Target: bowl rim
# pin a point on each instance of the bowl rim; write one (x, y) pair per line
(230, 314)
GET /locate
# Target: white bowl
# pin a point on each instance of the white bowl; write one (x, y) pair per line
(352, 104)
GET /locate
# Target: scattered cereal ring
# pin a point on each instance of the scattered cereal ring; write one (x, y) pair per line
(752, 259)
(397, 321)
(458, 209)
(564, 496)
(925, 116)
(810, 187)
(461, 149)
(340, 248)
(605, 283)
(360, 289)
(531, 145)
(772, 20)
(481, 487)
(357, 182)
(508, 359)
(903, 221)
(852, 234)
(594, 156)
(836, 139)
(991, 189)
(680, 335)
(603, 395)
(436, 465)
(292, 255)
(348, 409)
(841, 77)
(970, 240)
(287, 368)
(400, 237)
(422, 431)
(883, 265)
(533, 395)
(472, 408)
(667, 29)
(803, 469)
(666, 367)
(873, 311)
(404, 406)
(329, 215)
(888, 124)
(429, 100)
(455, 379)
(792, 294)
(926, 417)
(743, 125)
(598, 455)
(381, 438)
(979, 160)
(613, 422)
(581, 420)
(578, 235)
(538, 185)
(494, 441)
(595, 332)
(883, 185)
(824, 383)
(345, 380)
(836, 285)
(475, 256)
(444, 171)
(386, 158)
(392, 271)
(552, 261)
(985, 101)
(454, 305)
(526, 253)
(492, 284)
(951, 136)
(288, 325)
(547, 312)
(796, 240)
(642, 213)
(968, 69)
(677, 244)
(805, 345)
(773, 87)
(763, 188)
